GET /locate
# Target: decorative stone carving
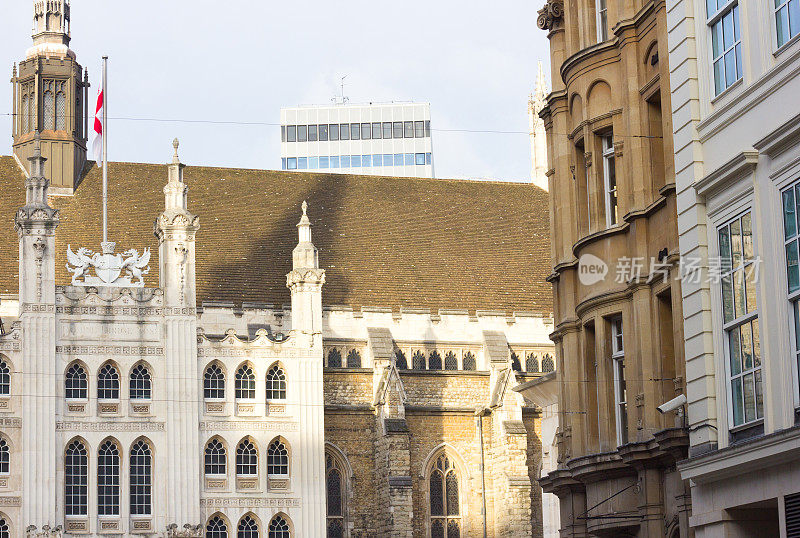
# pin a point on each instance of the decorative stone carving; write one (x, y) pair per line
(108, 266)
(188, 531)
(550, 15)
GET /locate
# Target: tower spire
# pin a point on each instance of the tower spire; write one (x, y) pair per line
(536, 102)
(51, 28)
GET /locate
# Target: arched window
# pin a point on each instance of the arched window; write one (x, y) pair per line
(49, 110)
(141, 479)
(532, 363)
(418, 360)
(278, 458)
(469, 361)
(61, 111)
(245, 382)
(4, 530)
(279, 528)
(434, 361)
(445, 518)
(334, 358)
(248, 528)
(108, 479)
(516, 365)
(76, 480)
(400, 360)
(108, 383)
(216, 528)
(450, 361)
(353, 359)
(26, 114)
(276, 383)
(5, 457)
(5, 378)
(76, 383)
(547, 364)
(216, 459)
(246, 458)
(214, 383)
(140, 383)
(334, 486)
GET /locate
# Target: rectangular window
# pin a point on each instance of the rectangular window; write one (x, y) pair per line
(397, 129)
(739, 271)
(398, 159)
(333, 132)
(376, 131)
(428, 158)
(355, 131)
(323, 162)
(366, 160)
(787, 20)
(620, 389)
(355, 161)
(427, 128)
(291, 163)
(388, 159)
(283, 163)
(344, 132)
(313, 163)
(387, 129)
(408, 129)
(312, 133)
(302, 163)
(409, 160)
(610, 180)
(345, 161)
(377, 160)
(726, 43)
(365, 131)
(602, 20)
(302, 133)
(420, 159)
(335, 162)
(283, 133)
(419, 129)
(791, 235)
(291, 133)
(323, 133)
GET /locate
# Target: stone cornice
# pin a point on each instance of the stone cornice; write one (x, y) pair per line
(780, 139)
(736, 168)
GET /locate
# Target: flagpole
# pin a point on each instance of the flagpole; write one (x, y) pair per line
(105, 150)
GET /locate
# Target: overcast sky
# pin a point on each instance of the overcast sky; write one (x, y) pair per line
(242, 60)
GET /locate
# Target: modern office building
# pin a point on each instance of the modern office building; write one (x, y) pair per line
(386, 139)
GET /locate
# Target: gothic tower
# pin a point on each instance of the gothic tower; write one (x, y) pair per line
(50, 95)
(536, 102)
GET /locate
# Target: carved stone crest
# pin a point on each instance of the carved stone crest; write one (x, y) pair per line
(108, 267)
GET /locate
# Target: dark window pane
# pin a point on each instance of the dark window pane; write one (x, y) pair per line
(387, 129)
(420, 159)
(451, 484)
(291, 163)
(400, 360)
(334, 358)
(344, 132)
(354, 359)
(323, 133)
(419, 129)
(408, 129)
(333, 132)
(355, 131)
(365, 131)
(312, 133)
(453, 529)
(283, 133)
(469, 361)
(427, 128)
(435, 361)
(376, 130)
(335, 528)
(397, 129)
(437, 528)
(334, 486)
(436, 494)
(418, 361)
(450, 361)
(302, 133)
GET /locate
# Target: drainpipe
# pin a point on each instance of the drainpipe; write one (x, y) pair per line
(480, 413)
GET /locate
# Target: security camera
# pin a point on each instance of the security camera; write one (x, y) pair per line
(673, 404)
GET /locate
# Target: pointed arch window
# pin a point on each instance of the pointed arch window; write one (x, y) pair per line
(418, 360)
(400, 360)
(26, 114)
(61, 108)
(547, 364)
(279, 528)
(515, 363)
(469, 361)
(434, 361)
(214, 383)
(108, 479)
(248, 528)
(245, 383)
(5, 457)
(141, 479)
(445, 511)
(76, 480)
(278, 459)
(216, 458)
(4, 530)
(450, 361)
(76, 383)
(532, 363)
(334, 486)
(334, 358)
(108, 383)
(49, 108)
(216, 528)
(353, 359)
(140, 382)
(5, 378)
(276, 383)
(246, 459)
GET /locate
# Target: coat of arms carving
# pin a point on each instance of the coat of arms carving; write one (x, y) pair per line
(108, 267)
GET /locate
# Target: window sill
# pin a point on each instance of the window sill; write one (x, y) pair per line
(727, 91)
(745, 432)
(77, 407)
(141, 524)
(77, 524)
(108, 407)
(783, 48)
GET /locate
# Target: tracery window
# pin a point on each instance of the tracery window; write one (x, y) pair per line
(76, 383)
(4, 530)
(214, 383)
(277, 459)
(61, 108)
(141, 479)
(434, 361)
(353, 359)
(547, 364)
(279, 528)
(334, 487)
(469, 361)
(450, 361)
(400, 360)
(108, 383)
(334, 358)
(248, 528)
(108, 479)
(532, 363)
(5, 378)
(515, 363)
(216, 528)
(76, 480)
(49, 107)
(418, 360)
(246, 458)
(276, 383)
(140, 382)
(445, 518)
(216, 458)
(245, 382)
(5, 457)
(26, 114)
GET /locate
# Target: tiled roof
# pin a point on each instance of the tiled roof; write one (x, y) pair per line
(384, 241)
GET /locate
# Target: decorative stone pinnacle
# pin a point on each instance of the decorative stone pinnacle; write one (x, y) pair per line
(304, 205)
(175, 158)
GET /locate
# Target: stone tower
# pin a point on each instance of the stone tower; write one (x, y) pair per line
(536, 102)
(50, 95)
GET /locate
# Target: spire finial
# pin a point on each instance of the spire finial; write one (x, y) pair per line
(304, 205)
(175, 158)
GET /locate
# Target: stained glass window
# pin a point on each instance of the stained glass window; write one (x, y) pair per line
(108, 383)
(469, 361)
(248, 528)
(76, 480)
(76, 385)
(216, 528)
(450, 361)
(140, 383)
(276, 383)
(418, 361)
(334, 358)
(434, 361)
(141, 479)
(444, 494)
(353, 359)
(215, 458)
(245, 382)
(246, 459)
(108, 479)
(279, 528)
(214, 383)
(277, 459)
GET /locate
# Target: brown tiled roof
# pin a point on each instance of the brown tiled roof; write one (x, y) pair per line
(384, 241)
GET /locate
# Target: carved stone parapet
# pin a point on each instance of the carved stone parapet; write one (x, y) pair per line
(551, 15)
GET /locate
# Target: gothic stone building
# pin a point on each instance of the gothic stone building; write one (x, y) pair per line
(259, 384)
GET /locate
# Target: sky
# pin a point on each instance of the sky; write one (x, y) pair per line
(242, 60)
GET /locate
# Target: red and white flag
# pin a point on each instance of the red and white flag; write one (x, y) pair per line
(97, 145)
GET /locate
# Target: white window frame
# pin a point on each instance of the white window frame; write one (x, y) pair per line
(775, 11)
(711, 20)
(601, 11)
(620, 393)
(612, 211)
(792, 298)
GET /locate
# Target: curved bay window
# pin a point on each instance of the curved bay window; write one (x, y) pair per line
(76, 480)
(248, 528)
(246, 458)
(214, 383)
(245, 383)
(279, 528)
(445, 518)
(108, 383)
(140, 383)
(276, 383)
(141, 479)
(216, 528)
(108, 479)
(334, 488)
(76, 384)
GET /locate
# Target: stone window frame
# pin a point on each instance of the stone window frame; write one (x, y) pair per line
(6, 526)
(85, 467)
(148, 444)
(617, 356)
(346, 472)
(610, 194)
(287, 520)
(118, 389)
(148, 386)
(251, 517)
(221, 366)
(6, 369)
(5, 455)
(254, 443)
(86, 388)
(288, 447)
(237, 382)
(222, 518)
(344, 348)
(110, 506)
(276, 384)
(225, 451)
(792, 304)
(412, 349)
(464, 477)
